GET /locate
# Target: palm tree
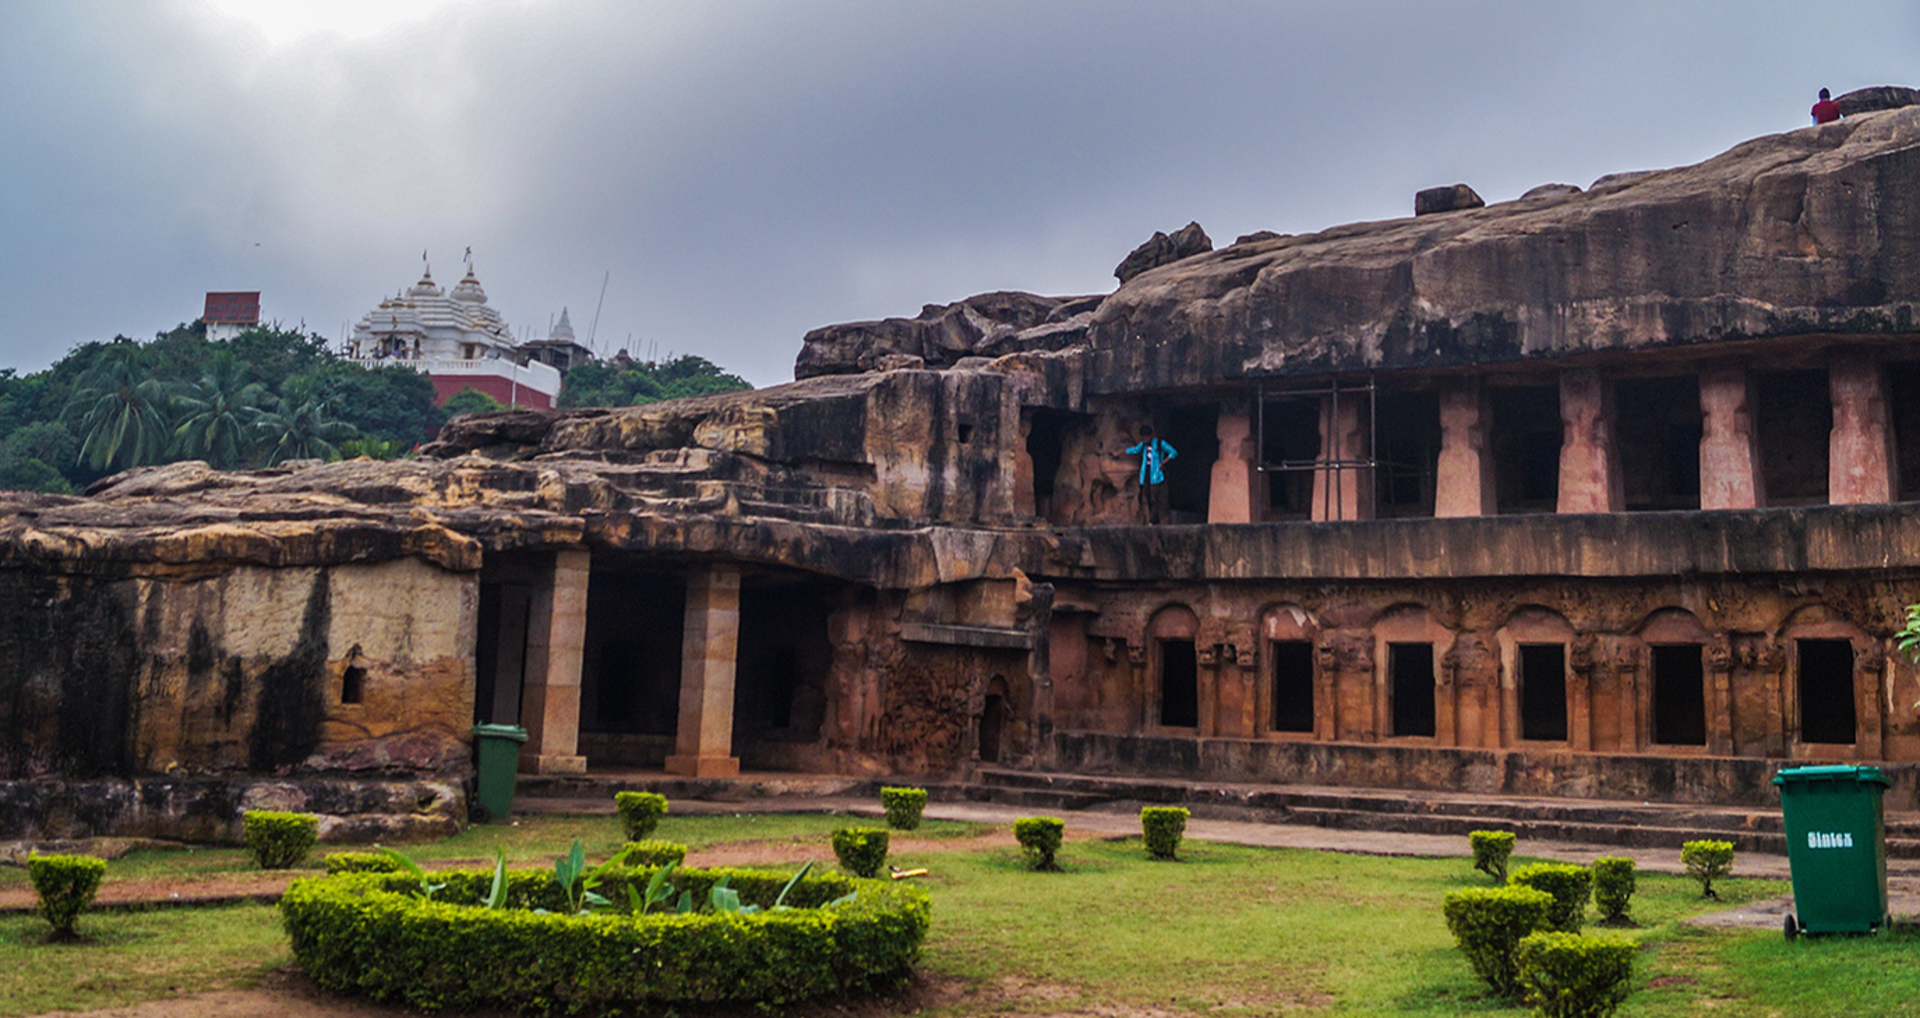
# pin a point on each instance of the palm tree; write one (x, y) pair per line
(217, 411)
(122, 411)
(297, 427)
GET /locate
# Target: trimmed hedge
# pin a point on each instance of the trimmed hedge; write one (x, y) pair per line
(1489, 922)
(1491, 850)
(655, 853)
(66, 885)
(640, 812)
(360, 862)
(1572, 975)
(1613, 885)
(1706, 862)
(903, 806)
(1162, 828)
(279, 840)
(862, 850)
(1039, 839)
(371, 934)
(1570, 886)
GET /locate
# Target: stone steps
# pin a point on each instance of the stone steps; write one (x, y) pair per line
(1644, 825)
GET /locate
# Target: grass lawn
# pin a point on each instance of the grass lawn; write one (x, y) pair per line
(1227, 931)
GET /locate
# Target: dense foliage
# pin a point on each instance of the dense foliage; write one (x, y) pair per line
(279, 840)
(1613, 885)
(1491, 850)
(640, 812)
(1570, 885)
(1706, 862)
(66, 885)
(903, 807)
(1489, 922)
(1570, 975)
(654, 853)
(862, 850)
(631, 383)
(360, 862)
(1039, 839)
(265, 396)
(1162, 827)
(376, 935)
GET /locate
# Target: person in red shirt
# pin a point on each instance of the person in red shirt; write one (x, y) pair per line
(1826, 111)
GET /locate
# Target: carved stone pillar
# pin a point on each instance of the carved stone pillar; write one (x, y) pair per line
(1358, 688)
(1326, 684)
(556, 640)
(1589, 459)
(1860, 460)
(1342, 493)
(1143, 699)
(1580, 708)
(1626, 670)
(1463, 485)
(709, 644)
(1446, 713)
(1730, 475)
(1719, 693)
(1870, 665)
(1232, 499)
(1770, 663)
(1207, 660)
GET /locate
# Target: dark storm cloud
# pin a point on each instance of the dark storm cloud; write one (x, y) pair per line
(744, 172)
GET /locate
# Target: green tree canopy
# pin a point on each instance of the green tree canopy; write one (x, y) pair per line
(631, 383)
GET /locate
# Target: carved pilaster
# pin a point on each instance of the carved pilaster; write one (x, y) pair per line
(1719, 693)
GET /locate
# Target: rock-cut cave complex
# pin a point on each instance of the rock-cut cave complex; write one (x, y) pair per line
(1603, 493)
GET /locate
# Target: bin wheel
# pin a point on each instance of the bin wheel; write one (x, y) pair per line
(478, 813)
(1792, 928)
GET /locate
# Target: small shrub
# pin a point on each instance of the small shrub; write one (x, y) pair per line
(862, 850)
(1570, 886)
(360, 862)
(654, 853)
(1613, 887)
(1706, 862)
(1488, 924)
(903, 806)
(1491, 850)
(1039, 838)
(1163, 827)
(279, 840)
(66, 885)
(1573, 975)
(640, 812)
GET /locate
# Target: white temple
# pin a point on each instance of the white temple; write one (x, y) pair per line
(454, 338)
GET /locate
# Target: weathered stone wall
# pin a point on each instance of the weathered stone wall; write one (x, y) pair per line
(1745, 628)
(242, 670)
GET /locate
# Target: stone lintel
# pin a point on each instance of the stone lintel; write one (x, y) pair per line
(966, 636)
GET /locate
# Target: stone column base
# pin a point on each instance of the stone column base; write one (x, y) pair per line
(704, 766)
(553, 764)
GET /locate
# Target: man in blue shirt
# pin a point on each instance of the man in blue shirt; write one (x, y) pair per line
(1153, 455)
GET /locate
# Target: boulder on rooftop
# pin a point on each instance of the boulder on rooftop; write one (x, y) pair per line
(1455, 198)
(1164, 249)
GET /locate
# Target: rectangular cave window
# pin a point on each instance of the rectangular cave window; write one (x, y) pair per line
(1793, 419)
(1179, 685)
(1526, 448)
(1410, 668)
(963, 432)
(1289, 444)
(1408, 444)
(1826, 691)
(1679, 694)
(1657, 428)
(1543, 691)
(1292, 685)
(353, 685)
(1193, 432)
(1903, 408)
(1046, 446)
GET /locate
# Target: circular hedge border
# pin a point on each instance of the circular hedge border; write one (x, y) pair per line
(372, 934)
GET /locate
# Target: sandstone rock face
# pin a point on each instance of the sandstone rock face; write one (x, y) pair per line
(1163, 249)
(1879, 97)
(989, 324)
(1797, 233)
(1446, 199)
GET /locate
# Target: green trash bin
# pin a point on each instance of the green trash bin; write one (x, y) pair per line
(1836, 848)
(498, 748)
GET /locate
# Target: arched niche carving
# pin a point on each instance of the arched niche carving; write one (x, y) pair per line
(1173, 669)
(1409, 646)
(1293, 689)
(1288, 621)
(1672, 625)
(1173, 622)
(1832, 684)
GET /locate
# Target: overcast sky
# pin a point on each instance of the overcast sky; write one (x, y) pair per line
(743, 172)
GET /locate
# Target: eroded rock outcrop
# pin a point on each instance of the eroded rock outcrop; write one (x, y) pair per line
(1163, 249)
(989, 324)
